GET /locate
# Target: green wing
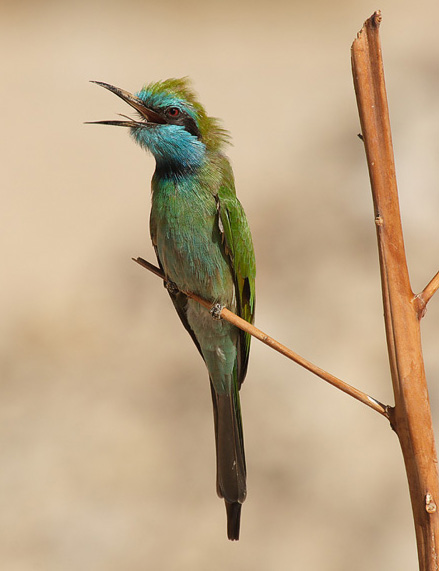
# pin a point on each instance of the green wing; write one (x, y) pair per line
(239, 249)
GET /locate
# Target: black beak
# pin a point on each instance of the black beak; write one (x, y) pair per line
(148, 115)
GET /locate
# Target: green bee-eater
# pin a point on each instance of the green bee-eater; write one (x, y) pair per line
(203, 245)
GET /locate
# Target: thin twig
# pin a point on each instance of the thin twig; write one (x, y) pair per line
(258, 334)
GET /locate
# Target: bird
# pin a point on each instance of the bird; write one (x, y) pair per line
(203, 245)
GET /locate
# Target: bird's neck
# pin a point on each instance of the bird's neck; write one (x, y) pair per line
(176, 151)
(204, 178)
(167, 169)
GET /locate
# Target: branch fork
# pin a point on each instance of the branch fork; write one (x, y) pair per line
(403, 310)
(421, 299)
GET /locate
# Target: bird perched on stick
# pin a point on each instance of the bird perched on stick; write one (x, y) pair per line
(203, 245)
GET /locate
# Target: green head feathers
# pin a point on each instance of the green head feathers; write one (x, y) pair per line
(179, 93)
(172, 125)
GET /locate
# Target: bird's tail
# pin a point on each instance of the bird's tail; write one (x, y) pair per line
(230, 459)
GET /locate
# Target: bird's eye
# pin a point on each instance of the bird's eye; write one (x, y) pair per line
(173, 111)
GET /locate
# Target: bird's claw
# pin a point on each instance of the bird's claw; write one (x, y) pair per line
(171, 287)
(215, 311)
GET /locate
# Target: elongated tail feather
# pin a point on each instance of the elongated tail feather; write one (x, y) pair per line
(230, 458)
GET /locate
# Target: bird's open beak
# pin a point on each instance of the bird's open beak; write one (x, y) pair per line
(148, 115)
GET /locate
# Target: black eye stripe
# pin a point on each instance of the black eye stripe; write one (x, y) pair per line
(180, 117)
(191, 127)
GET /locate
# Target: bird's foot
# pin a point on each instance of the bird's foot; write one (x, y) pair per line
(171, 287)
(215, 311)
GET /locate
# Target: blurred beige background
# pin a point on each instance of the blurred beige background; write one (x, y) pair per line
(107, 451)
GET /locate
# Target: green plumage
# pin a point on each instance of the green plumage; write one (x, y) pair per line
(203, 244)
(168, 91)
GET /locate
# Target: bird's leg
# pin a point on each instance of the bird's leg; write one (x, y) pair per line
(171, 287)
(215, 311)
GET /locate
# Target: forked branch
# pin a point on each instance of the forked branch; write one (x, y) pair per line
(411, 416)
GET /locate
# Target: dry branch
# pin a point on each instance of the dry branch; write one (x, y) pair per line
(411, 417)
